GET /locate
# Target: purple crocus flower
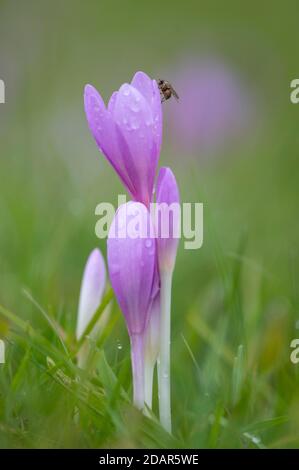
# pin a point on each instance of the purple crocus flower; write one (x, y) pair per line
(132, 268)
(92, 289)
(167, 223)
(129, 132)
(91, 293)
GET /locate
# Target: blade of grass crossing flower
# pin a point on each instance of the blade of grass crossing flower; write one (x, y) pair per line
(107, 298)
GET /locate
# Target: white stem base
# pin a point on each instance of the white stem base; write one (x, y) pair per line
(164, 355)
(137, 354)
(149, 368)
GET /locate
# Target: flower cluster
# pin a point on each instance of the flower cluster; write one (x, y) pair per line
(129, 133)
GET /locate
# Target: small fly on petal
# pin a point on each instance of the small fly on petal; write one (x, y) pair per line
(166, 90)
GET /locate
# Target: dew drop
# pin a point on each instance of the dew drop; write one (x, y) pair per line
(135, 124)
(114, 268)
(126, 91)
(135, 107)
(148, 243)
(148, 122)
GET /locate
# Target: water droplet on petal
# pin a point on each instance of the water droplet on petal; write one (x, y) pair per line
(126, 91)
(135, 108)
(148, 122)
(135, 124)
(148, 243)
(114, 268)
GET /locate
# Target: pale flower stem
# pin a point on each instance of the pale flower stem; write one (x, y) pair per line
(137, 355)
(148, 382)
(164, 357)
(82, 355)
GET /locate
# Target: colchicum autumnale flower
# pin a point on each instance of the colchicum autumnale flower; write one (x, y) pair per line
(91, 293)
(132, 265)
(167, 219)
(129, 132)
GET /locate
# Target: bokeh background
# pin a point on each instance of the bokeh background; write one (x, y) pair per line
(232, 141)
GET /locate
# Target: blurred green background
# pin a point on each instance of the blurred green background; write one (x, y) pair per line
(236, 297)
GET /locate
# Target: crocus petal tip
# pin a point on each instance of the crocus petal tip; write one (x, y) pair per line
(88, 89)
(92, 288)
(167, 192)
